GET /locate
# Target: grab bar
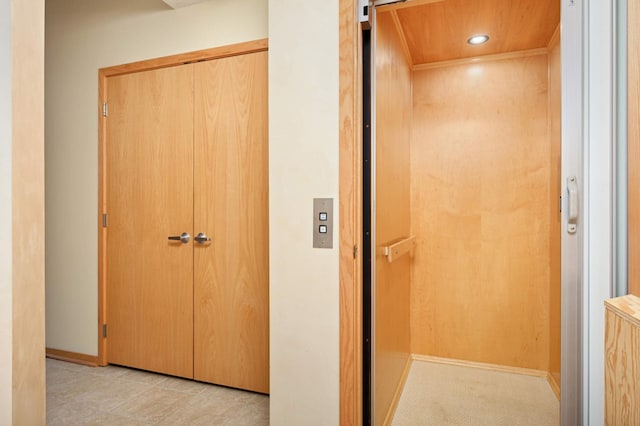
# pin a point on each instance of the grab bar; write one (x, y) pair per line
(399, 248)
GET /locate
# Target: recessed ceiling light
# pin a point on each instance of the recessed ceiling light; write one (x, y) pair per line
(478, 39)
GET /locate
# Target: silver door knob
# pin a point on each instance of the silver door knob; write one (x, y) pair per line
(183, 238)
(202, 238)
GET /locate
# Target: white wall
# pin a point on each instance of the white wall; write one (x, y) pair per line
(81, 37)
(6, 312)
(303, 148)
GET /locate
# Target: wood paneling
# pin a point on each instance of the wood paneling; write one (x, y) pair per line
(150, 197)
(634, 146)
(350, 211)
(27, 286)
(77, 358)
(231, 206)
(555, 138)
(439, 31)
(622, 361)
(392, 214)
(480, 175)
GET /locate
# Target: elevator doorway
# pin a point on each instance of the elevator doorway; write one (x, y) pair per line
(464, 188)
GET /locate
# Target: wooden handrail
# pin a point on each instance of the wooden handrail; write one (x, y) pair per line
(399, 248)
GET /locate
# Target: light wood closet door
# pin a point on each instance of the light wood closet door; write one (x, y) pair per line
(150, 197)
(231, 206)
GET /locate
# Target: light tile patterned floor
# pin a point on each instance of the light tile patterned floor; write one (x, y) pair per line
(79, 395)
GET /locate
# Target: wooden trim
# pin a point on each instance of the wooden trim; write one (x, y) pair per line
(403, 38)
(408, 3)
(398, 393)
(103, 75)
(350, 216)
(480, 59)
(481, 365)
(555, 37)
(622, 369)
(555, 386)
(102, 208)
(627, 307)
(183, 58)
(76, 358)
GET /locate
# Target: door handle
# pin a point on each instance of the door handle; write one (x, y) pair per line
(183, 238)
(202, 238)
(573, 207)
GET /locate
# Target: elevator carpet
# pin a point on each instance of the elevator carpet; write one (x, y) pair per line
(441, 394)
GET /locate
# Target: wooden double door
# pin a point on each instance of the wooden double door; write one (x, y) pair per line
(186, 157)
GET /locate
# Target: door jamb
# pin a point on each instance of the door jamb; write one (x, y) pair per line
(350, 213)
(103, 75)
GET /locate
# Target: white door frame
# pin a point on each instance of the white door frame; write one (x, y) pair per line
(597, 251)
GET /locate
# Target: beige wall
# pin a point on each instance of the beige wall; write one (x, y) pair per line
(22, 375)
(5, 213)
(82, 37)
(303, 148)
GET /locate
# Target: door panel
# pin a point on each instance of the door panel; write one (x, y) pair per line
(392, 216)
(150, 197)
(231, 319)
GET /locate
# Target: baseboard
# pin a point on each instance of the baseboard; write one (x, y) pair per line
(398, 393)
(482, 365)
(555, 386)
(77, 358)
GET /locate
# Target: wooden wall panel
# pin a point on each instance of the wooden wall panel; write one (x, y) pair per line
(480, 211)
(393, 116)
(555, 135)
(634, 147)
(27, 168)
(438, 31)
(622, 361)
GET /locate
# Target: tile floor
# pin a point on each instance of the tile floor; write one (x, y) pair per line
(79, 395)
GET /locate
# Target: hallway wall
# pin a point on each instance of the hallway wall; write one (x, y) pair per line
(303, 164)
(82, 37)
(480, 175)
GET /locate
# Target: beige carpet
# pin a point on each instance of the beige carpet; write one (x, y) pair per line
(441, 394)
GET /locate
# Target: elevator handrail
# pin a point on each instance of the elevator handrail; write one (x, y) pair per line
(399, 248)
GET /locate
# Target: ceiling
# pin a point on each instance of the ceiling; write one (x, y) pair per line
(438, 30)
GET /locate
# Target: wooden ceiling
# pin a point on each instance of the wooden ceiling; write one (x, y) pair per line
(438, 30)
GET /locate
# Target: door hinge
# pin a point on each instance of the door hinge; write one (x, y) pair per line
(104, 330)
(105, 220)
(355, 251)
(105, 110)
